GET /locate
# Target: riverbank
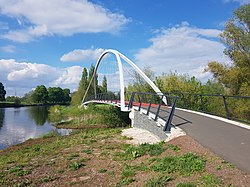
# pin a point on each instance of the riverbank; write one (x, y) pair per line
(102, 156)
(16, 105)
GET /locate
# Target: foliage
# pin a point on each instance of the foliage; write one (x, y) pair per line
(104, 88)
(40, 94)
(139, 84)
(52, 95)
(13, 99)
(84, 85)
(236, 37)
(2, 92)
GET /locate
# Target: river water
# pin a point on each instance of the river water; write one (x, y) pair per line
(20, 124)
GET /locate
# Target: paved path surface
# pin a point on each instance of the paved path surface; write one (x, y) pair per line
(229, 141)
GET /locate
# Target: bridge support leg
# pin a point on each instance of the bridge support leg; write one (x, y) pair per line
(168, 124)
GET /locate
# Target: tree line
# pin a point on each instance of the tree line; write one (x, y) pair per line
(41, 95)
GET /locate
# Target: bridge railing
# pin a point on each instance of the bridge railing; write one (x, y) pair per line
(153, 103)
(231, 107)
(149, 102)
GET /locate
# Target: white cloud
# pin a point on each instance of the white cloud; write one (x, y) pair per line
(61, 17)
(184, 49)
(81, 55)
(8, 49)
(242, 2)
(22, 77)
(69, 76)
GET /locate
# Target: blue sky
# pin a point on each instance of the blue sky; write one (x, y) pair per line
(49, 42)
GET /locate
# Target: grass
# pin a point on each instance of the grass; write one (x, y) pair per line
(93, 115)
(76, 165)
(186, 164)
(158, 181)
(78, 158)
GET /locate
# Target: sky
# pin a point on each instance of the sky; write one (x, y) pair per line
(49, 42)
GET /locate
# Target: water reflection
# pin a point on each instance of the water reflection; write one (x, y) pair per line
(2, 112)
(20, 124)
(39, 114)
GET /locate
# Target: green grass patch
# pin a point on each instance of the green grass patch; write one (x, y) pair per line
(185, 164)
(174, 147)
(185, 185)
(87, 151)
(133, 152)
(210, 180)
(76, 165)
(158, 181)
(50, 134)
(77, 117)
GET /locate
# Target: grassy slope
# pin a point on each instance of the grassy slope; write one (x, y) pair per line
(91, 157)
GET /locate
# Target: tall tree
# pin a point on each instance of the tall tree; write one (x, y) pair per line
(2, 92)
(236, 37)
(94, 83)
(83, 84)
(104, 85)
(66, 93)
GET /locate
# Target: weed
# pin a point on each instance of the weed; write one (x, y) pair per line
(84, 136)
(127, 172)
(174, 147)
(219, 167)
(125, 181)
(159, 181)
(111, 173)
(50, 134)
(88, 151)
(47, 179)
(16, 169)
(133, 152)
(76, 165)
(36, 148)
(60, 171)
(22, 173)
(185, 185)
(210, 180)
(24, 183)
(92, 141)
(72, 156)
(102, 170)
(186, 164)
(104, 153)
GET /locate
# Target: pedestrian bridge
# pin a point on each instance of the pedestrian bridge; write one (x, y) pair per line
(159, 113)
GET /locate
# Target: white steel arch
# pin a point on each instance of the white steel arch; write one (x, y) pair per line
(118, 56)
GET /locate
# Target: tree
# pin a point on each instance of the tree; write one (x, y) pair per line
(13, 99)
(236, 37)
(66, 93)
(40, 94)
(83, 85)
(2, 92)
(104, 85)
(139, 84)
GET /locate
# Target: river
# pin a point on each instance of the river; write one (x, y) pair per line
(20, 124)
